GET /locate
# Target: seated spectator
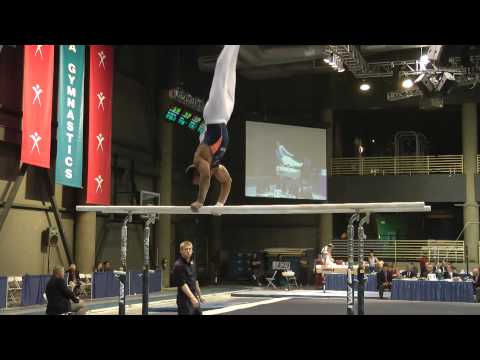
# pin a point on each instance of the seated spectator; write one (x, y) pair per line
(411, 272)
(73, 280)
(395, 272)
(372, 261)
(379, 266)
(384, 280)
(430, 272)
(59, 295)
(319, 279)
(451, 272)
(256, 266)
(476, 283)
(107, 266)
(99, 267)
(439, 270)
(442, 267)
(423, 265)
(303, 271)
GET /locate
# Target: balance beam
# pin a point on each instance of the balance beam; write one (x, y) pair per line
(264, 209)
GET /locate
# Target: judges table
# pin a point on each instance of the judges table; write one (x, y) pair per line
(335, 281)
(424, 290)
(3, 291)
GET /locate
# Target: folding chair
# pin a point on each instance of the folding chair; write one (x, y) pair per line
(14, 288)
(291, 279)
(84, 284)
(271, 279)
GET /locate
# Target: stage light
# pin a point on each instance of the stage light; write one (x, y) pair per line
(446, 83)
(425, 84)
(365, 86)
(407, 83)
(424, 63)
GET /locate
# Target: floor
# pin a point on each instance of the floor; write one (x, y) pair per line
(231, 300)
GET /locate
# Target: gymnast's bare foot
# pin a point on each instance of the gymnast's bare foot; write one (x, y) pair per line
(196, 205)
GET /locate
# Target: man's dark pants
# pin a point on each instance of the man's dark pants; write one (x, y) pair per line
(185, 307)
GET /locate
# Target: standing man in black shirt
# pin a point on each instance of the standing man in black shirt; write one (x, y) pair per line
(189, 295)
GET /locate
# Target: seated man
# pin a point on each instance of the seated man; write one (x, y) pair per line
(442, 267)
(411, 272)
(256, 266)
(107, 266)
(384, 280)
(319, 278)
(476, 283)
(74, 279)
(303, 271)
(430, 272)
(451, 272)
(59, 295)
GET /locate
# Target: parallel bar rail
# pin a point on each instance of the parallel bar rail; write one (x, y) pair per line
(265, 209)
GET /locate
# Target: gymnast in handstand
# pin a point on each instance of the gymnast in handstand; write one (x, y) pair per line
(214, 141)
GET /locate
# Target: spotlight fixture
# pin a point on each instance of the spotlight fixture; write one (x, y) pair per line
(437, 55)
(365, 86)
(425, 63)
(341, 67)
(407, 83)
(330, 60)
(425, 84)
(446, 83)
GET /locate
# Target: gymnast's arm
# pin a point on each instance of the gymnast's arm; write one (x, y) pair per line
(203, 167)
(225, 180)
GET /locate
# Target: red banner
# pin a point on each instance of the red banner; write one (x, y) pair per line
(100, 125)
(37, 104)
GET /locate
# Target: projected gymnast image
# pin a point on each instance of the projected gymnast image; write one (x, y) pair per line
(286, 162)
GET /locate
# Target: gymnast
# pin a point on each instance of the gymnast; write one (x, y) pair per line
(214, 141)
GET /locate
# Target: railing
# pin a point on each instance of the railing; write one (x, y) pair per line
(398, 165)
(406, 250)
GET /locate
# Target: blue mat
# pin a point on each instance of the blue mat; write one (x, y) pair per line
(204, 307)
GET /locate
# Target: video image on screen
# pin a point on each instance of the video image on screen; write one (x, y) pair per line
(285, 162)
